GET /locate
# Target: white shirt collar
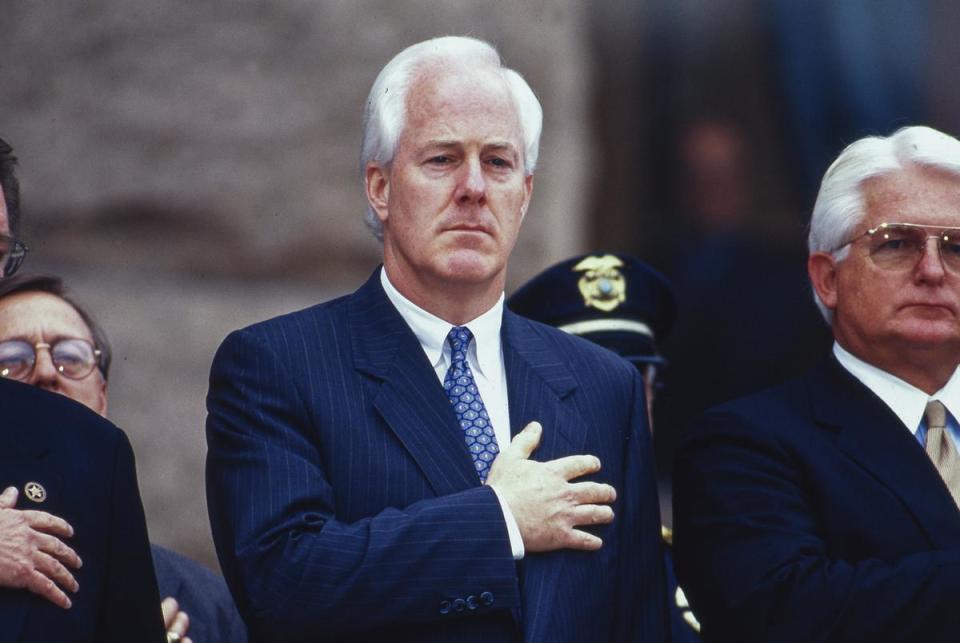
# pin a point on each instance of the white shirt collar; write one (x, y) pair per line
(905, 400)
(431, 331)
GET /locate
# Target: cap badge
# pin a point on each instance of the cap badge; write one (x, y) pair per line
(34, 491)
(602, 284)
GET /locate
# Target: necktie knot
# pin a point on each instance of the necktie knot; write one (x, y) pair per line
(935, 414)
(459, 339)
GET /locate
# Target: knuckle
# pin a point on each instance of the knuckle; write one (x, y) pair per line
(22, 571)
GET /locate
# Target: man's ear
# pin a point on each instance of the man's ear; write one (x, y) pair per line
(822, 268)
(528, 190)
(377, 183)
(102, 398)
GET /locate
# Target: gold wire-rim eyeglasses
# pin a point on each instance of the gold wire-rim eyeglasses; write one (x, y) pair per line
(900, 246)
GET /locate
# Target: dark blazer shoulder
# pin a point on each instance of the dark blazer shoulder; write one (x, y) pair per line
(571, 347)
(38, 419)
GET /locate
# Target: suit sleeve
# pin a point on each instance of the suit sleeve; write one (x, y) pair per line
(131, 606)
(752, 562)
(296, 570)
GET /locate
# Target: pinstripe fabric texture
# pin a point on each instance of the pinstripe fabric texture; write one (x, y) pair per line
(345, 506)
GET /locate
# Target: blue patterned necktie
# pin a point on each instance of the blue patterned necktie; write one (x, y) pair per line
(467, 403)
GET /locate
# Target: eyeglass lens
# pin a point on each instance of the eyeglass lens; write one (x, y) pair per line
(73, 358)
(900, 247)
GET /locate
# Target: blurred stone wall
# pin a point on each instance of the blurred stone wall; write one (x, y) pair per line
(191, 167)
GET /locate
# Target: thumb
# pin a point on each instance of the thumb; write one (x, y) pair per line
(527, 440)
(8, 499)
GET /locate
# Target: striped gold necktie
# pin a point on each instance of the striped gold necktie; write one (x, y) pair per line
(941, 449)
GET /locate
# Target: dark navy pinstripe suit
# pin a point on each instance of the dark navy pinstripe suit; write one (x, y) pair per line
(345, 507)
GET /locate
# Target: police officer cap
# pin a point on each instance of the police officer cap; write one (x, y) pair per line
(614, 300)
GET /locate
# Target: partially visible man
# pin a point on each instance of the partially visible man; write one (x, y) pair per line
(367, 474)
(624, 305)
(68, 476)
(826, 509)
(36, 309)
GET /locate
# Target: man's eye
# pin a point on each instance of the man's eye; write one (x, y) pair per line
(496, 161)
(892, 244)
(440, 160)
(950, 247)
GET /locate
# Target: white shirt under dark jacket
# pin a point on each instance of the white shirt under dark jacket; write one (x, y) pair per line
(485, 357)
(905, 400)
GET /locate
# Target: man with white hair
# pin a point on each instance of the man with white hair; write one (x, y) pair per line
(826, 509)
(413, 462)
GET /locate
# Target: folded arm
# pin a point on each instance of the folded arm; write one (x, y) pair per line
(752, 557)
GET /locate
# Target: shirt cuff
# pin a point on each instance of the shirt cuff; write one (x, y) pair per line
(516, 540)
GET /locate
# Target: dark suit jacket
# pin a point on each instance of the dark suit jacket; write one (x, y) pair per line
(86, 466)
(200, 593)
(345, 507)
(810, 513)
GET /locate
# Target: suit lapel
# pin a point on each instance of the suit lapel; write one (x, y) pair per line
(539, 383)
(539, 380)
(872, 435)
(409, 397)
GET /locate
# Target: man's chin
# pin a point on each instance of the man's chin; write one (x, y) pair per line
(932, 333)
(468, 266)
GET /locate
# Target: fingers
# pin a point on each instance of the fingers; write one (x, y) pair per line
(55, 571)
(59, 550)
(48, 523)
(8, 499)
(524, 443)
(574, 466)
(178, 625)
(45, 587)
(596, 493)
(169, 607)
(582, 540)
(586, 515)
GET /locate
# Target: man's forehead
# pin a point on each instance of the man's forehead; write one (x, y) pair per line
(24, 309)
(443, 98)
(914, 187)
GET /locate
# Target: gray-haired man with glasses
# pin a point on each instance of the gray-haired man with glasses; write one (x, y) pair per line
(74, 558)
(826, 509)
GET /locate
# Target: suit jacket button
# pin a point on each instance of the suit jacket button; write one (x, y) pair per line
(444, 607)
(459, 604)
(472, 602)
(486, 598)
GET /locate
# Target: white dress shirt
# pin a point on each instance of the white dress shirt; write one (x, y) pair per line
(905, 400)
(485, 356)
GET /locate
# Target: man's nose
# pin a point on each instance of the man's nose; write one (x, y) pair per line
(930, 269)
(44, 374)
(471, 186)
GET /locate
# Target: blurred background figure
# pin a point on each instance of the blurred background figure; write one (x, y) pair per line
(747, 319)
(624, 305)
(50, 341)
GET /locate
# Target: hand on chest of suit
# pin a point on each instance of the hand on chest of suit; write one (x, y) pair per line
(547, 502)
